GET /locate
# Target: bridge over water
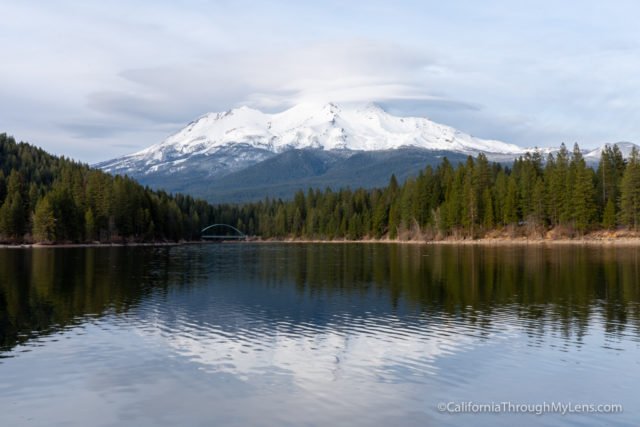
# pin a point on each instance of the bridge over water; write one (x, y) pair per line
(222, 232)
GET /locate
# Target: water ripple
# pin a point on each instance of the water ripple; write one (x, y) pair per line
(290, 335)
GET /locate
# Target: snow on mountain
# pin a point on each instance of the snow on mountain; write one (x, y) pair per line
(245, 154)
(593, 156)
(217, 144)
(249, 136)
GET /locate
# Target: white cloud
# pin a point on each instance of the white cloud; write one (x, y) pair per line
(94, 80)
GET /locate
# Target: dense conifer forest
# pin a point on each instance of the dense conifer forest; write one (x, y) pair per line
(44, 198)
(534, 196)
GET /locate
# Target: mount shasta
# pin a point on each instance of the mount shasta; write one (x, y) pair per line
(245, 154)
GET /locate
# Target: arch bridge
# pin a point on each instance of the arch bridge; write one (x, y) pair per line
(221, 232)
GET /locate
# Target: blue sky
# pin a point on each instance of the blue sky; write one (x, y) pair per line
(93, 80)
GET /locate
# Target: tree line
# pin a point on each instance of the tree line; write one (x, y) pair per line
(54, 199)
(533, 196)
(45, 198)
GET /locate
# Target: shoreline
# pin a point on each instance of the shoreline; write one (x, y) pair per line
(469, 242)
(516, 241)
(499, 238)
(95, 245)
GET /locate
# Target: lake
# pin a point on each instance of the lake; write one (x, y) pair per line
(319, 334)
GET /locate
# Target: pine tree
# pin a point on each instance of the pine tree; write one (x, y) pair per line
(297, 222)
(557, 183)
(500, 196)
(510, 210)
(12, 212)
(609, 175)
(563, 181)
(394, 220)
(90, 225)
(609, 215)
(487, 203)
(630, 192)
(526, 171)
(538, 213)
(380, 219)
(3, 187)
(44, 222)
(470, 203)
(421, 202)
(581, 191)
(452, 208)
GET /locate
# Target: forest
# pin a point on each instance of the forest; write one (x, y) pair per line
(44, 198)
(532, 197)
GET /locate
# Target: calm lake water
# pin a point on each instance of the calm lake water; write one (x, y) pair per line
(329, 335)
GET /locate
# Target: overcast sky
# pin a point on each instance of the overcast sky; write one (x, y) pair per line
(94, 80)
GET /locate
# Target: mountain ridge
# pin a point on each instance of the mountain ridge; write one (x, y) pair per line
(241, 143)
(357, 127)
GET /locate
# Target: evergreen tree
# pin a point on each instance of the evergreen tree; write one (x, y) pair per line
(630, 193)
(12, 212)
(510, 211)
(487, 202)
(470, 204)
(90, 225)
(609, 175)
(394, 220)
(581, 191)
(500, 196)
(561, 183)
(3, 187)
(44, 222)
(538, 213)
(609, 215)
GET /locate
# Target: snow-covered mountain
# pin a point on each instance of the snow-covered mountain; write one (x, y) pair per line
(245, 154)
(244, 136)
(593, 156)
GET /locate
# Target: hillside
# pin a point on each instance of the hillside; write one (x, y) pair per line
(53, 199)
